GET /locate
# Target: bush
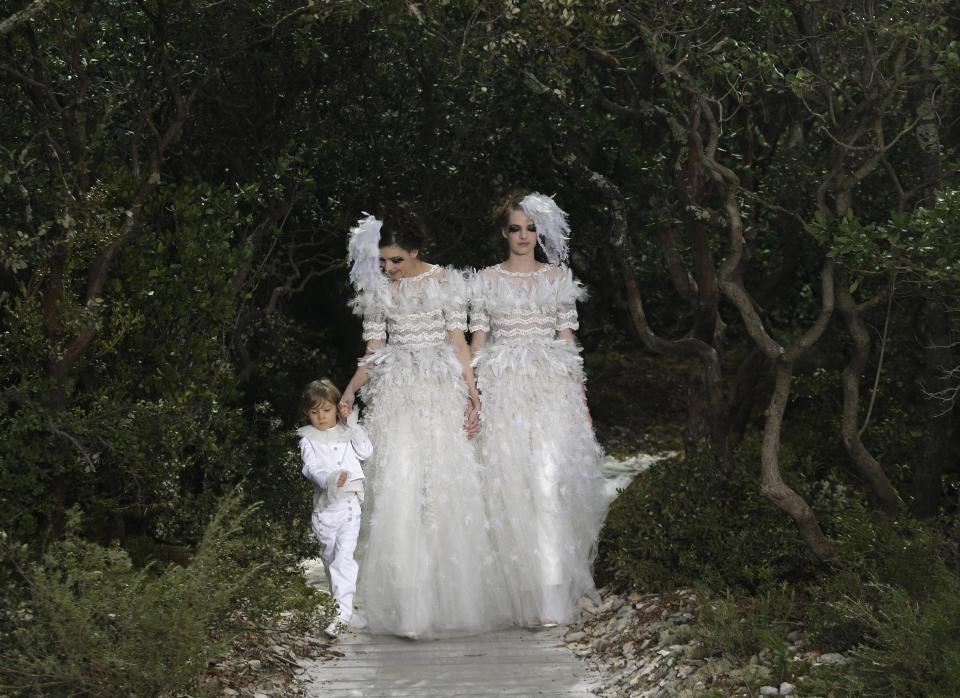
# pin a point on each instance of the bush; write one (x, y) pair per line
(93, 624)
(690, 521)
(749, 625)
(896, 604)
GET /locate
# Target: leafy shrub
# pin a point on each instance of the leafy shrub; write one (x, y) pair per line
(895, 602)
(93, 624)
(689, 520)
(746, 626)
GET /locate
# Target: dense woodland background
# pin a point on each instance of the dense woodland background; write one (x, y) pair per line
(766, 211)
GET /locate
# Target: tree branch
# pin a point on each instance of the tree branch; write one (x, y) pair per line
(23, 16)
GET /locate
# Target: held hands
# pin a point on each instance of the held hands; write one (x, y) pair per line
(471, 416)
(345, 406)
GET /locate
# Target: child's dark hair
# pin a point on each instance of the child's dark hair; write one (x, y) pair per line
(403, 228)
(506, 205)
(318, 391)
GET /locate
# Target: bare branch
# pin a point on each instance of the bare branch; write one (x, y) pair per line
(23, 16)
(867, 306)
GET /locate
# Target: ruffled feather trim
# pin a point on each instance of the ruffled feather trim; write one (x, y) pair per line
(441, 288)
(553, 286)
(550, 360)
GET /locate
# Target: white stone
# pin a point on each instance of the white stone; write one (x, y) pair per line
(769, 691)
(612, 604)
(786, 689)
(832, 658)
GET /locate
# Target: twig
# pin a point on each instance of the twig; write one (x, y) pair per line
(883, 348)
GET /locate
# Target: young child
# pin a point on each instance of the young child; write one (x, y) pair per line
(331, 453)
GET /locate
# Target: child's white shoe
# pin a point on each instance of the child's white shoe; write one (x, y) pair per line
(337, 626)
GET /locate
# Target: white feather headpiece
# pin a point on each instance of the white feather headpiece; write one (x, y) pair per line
(363, 254)
(553, 231)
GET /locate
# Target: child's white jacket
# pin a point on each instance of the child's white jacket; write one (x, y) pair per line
(326, 453)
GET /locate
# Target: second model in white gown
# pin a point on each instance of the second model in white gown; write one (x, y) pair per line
(427, 567)
(542, 460)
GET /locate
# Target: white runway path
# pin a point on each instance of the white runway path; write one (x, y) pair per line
(506, 663)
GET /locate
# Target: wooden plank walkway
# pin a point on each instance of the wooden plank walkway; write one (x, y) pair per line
(505, 663)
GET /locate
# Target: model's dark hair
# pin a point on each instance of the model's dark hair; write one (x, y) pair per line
(403, 228)
(507, 204)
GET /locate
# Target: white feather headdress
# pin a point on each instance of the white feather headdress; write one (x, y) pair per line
(363, 254)
(553, 231)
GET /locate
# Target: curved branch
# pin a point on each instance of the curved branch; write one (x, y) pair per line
(23, 16)
(869, 467)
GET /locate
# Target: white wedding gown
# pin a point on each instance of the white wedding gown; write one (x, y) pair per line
(427, 567)
(541, 457)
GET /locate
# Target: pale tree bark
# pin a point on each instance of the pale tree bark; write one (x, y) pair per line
(23, 16)
(731, 285)
(861, 140)
(772, 484)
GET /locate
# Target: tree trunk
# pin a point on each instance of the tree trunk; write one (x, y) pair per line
(870, 469)
(772, 485)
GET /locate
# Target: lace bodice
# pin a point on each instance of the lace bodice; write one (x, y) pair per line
(415, 311)
(523, 306)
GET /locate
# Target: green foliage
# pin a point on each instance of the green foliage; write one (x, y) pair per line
(744, 627)
(177, 180)
(895, 602)
(95, 625)
(921, 246)
(688, 520)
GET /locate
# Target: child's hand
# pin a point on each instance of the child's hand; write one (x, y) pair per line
(342, 480)
(345, 406)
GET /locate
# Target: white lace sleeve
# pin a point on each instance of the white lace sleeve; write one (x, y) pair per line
(455, 301)
(369, 306)
(479, 317)
(569, 291)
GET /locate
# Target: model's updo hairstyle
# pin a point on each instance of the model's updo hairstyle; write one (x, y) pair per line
(403, 228)
(507, 204)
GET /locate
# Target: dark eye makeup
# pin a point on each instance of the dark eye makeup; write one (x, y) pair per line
(514, 228)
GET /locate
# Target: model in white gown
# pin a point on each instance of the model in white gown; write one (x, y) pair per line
(427, 567)
(542, 460)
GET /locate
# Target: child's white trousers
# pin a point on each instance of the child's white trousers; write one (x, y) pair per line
(337, 528)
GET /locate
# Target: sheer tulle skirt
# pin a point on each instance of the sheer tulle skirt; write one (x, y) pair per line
(543, 476)
(428, 567)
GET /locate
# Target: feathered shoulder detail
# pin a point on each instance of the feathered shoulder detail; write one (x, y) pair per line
(370, 303)
(438, 288)
(454, 283)
(545, 289)
(569, 289)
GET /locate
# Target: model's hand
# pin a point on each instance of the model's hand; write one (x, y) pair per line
(342, 480)
(471, 417)
(345, 406)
